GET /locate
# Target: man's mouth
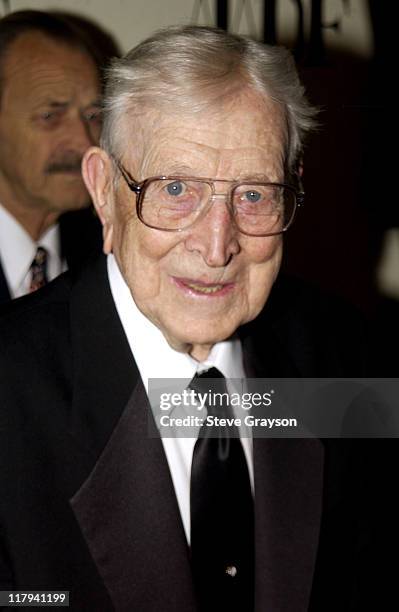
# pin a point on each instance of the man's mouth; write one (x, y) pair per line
(202, 288)
(205, 288)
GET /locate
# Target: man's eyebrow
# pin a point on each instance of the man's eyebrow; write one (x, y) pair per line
(97, 103)
(63, 104)
(51, 103)
(178, 169)
(256, 176)
(183, 170)
(58, 104)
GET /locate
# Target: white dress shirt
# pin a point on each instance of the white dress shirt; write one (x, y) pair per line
(155, 358)
(17, 251)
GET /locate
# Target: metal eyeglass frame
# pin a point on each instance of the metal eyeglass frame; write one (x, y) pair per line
(138, 188)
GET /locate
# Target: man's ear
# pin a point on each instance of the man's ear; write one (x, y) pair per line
(97, 174)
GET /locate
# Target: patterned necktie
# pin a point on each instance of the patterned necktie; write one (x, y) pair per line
(38, 270)
(222, 516)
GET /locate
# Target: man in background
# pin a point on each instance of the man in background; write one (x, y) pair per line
(50, 113)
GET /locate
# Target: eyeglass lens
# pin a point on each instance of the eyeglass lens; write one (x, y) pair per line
(258, 209)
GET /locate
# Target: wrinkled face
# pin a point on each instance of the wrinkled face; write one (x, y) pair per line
(49, 116)
(198, 285)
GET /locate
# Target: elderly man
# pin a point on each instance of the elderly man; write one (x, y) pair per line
(49, 116)
(195, 186)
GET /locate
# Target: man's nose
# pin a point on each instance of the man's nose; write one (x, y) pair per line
(215, 236)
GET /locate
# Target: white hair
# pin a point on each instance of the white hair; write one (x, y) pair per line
(188, 69)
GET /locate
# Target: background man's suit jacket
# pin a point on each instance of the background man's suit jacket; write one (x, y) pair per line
(80, 233)
(87, 503)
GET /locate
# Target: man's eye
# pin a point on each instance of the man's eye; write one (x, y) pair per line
(252, 196)
(94, 116)
(176, 188)
(48, 116)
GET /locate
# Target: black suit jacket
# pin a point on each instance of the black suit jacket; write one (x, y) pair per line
(80, 237)
(87, 502)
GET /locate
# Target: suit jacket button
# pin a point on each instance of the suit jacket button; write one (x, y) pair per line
(231, 570)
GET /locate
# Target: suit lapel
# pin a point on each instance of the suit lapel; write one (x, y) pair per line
(126, 508)
(128, 514)
(104, 372)
(4, 290)
(288, 479)
(288, 497)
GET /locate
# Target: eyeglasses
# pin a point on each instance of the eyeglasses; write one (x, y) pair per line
(175, 203)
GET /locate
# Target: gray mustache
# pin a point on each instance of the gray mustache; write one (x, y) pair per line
(65, 164)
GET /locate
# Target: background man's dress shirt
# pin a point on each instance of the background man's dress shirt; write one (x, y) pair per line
(17, 250)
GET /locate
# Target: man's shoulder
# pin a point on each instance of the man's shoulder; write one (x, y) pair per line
(35, 337)
(319, 332)
(40, 322)
(35, 354)
(52, 301)
(300, 302)
(24, 314)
